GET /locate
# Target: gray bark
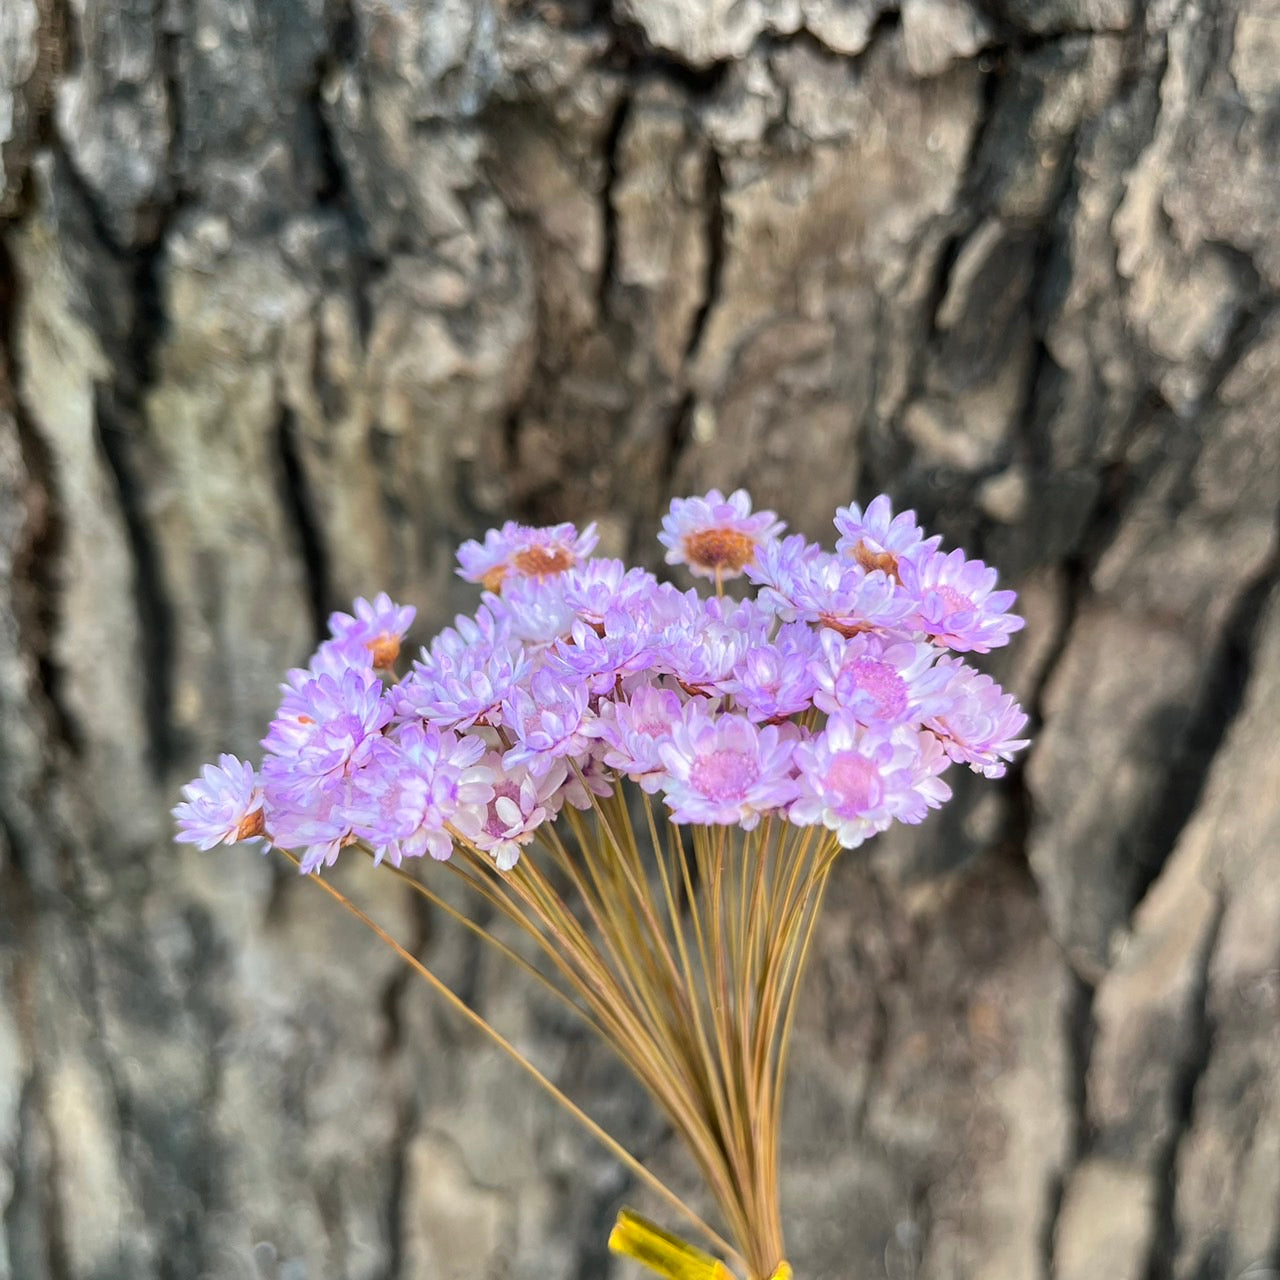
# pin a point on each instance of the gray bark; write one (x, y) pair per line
(296, 294)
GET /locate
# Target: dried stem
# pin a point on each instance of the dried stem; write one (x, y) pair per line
(685, 955)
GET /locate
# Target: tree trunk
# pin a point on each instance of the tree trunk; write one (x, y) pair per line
(297, 294)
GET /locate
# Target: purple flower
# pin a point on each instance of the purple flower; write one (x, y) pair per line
(519, 550)
(599, 587)
(464, 678)
(855, 781)
(374, 634)
(717, 537)
(521, 804)
(878, 679)
(928, 791)
(590, 777)
(876, 538)
(632, 732)
(548, 721)
(981, 721)
(956, 605)
(773, 681)
(222, 806)
(326, 725)
(534, 610)
(725, 771)
(801, 582)
(576, 672)
(703, 644)
(416, 787)
(600, 658)
(316, 817)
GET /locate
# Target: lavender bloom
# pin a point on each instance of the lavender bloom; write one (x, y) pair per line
(374, 634)
(704, 643)
(416, 787)
(928, 791)
(325, 725)
(584, 670)
(599, 587)
(956, 604)
(980, 722)
(591, 777)
(518, 550)
(717, 537)
(855, 781)
(521, 804)
(877, 539)
(725, 771)
(465, 676)
(316, 817)
(878, 679)
(600, 658)
(773, 681)
(222, 806)
(632, 732)
(802, 582)
(548, 721)
(534, 610)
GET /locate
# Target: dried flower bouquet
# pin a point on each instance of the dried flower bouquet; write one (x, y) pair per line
(652, 785)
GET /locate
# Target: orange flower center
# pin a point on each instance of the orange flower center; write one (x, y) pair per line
(543, 562)
(252, 824)
(492, 581)
(872, 560)
(719, 549)
(384, 650)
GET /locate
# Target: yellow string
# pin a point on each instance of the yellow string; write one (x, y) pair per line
(667, 1255)
(663, 1253)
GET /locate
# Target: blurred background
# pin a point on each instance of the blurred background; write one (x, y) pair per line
(297, 294)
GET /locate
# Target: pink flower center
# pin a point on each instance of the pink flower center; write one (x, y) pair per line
(856, 782)
(880, 682)
(725, 774)
(955, 602)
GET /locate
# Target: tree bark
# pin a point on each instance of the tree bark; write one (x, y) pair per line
(297, 294)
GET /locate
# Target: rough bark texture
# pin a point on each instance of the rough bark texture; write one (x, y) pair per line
(295, 294)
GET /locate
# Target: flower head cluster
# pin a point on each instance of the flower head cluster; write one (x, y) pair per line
(831, 697)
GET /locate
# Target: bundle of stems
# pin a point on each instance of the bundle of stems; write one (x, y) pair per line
(683, 948)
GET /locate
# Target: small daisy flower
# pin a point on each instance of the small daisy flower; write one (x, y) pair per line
(717, 537)
(374, 634)
(878, 679)
(418, 785)
(980, 724)
(855, 781)
(533, 609)
(464, 677)
(326, 725)
(704, 643)
(548, 722)
(928, 791)
(773, 681)
(598, 587)
(725, 770)
(956, 604)
(801, 582)
(601, 657)
(521, 804)
(315, 816)
(223, 805)
(877, 539)
(519, 550)
(632, 731)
